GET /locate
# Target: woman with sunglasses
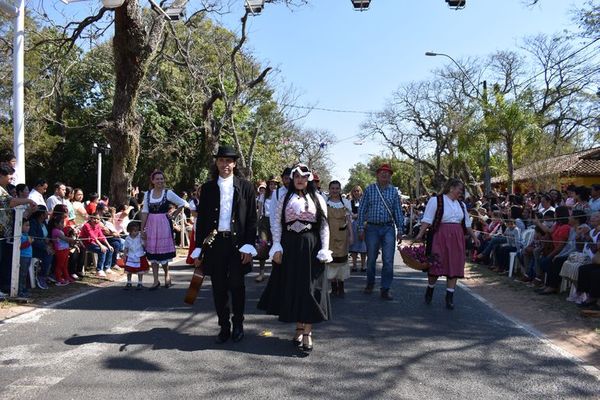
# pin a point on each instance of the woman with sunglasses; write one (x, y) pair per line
(297, 288)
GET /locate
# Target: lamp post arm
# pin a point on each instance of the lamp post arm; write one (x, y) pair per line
(462, 70)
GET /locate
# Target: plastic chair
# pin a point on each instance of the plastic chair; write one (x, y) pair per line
(526, 239)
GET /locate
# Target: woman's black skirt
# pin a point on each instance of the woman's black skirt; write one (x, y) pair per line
(297, 289)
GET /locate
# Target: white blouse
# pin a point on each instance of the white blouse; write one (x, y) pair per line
(297, 209)
(171, 196)
(454, 212)
(135, 248)
(340, 204)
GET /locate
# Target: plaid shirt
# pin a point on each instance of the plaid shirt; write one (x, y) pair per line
(373, 210)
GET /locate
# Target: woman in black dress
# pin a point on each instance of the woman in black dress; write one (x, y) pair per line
(297, 288)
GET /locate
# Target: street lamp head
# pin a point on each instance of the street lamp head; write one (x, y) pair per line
(94, 148)
(254, 7)
(361, 5)
(430, 54)
(112, 3)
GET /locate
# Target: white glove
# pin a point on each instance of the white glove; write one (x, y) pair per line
(249, 249)
(325, 256)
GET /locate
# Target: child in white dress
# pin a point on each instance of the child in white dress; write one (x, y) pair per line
(135, 255)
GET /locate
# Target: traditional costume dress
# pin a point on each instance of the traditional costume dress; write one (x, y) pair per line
(136, 262)
(339, 218)
(297, 289)
(449, 221)
(357, 246)
(160, 246)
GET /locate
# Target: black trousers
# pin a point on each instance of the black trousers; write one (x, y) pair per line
(227, 280)
(588, 280)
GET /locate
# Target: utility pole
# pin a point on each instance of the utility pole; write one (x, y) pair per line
(487, 178)
(17, 13)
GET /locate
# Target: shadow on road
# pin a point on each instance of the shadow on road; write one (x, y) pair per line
(169, 339)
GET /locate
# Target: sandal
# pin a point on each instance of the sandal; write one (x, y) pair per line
(297, 339)
(155, 287)
(307, 343)
(168, 284)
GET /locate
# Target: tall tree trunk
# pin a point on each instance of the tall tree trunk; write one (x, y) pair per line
(134, 45)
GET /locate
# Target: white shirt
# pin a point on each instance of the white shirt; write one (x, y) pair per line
(53, 201)
(37, 197)
(226, 203)
(171, 197)
(453, 212)
(594, 204)
(135, 249)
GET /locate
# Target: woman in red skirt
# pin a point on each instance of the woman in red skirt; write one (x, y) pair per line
(446, 223)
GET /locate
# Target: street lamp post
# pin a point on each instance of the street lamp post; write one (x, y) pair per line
(482, 98)
(99, 150)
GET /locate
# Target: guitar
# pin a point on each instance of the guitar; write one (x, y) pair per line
(198, 277)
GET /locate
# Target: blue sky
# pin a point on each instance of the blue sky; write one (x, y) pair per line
(342, 59)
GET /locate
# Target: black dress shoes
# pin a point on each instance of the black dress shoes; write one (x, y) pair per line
(238, 333)
(449, 300)
(223, 336)
(428, 295)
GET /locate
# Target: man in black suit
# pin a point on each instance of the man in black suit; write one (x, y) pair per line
(227, 204)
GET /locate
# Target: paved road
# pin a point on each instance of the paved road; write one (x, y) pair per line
(140, 345)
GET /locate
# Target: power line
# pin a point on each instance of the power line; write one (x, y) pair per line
(330, 109)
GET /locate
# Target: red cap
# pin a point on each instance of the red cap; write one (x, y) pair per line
(385, 167)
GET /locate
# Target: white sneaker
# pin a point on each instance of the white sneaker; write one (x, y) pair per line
(116, 268)
(75, 276)
(101, 274)
(108, 271)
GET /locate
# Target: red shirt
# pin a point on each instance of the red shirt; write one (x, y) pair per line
(559, 234)
(91, 208)
(89, 234)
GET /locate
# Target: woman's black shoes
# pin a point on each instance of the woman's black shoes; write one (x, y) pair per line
(155, 287)
(450, 300)
(428, 295)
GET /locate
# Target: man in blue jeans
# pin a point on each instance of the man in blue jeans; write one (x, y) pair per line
(380, 223)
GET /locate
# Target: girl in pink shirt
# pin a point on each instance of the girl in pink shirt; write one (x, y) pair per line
(61, 244)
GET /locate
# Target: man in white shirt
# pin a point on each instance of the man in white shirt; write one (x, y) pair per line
(228, 206)
(58, 197)
(37, 193)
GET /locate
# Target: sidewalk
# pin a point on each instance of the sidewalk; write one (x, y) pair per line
(555, 318)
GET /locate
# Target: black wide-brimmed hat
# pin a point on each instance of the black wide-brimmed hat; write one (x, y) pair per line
(227, 152)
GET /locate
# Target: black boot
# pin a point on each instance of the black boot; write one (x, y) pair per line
(334, 288)
(428, 295)
(340, 291)
(224, 335)
(449, 300)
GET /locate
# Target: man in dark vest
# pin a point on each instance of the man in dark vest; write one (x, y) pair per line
(227, 204)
